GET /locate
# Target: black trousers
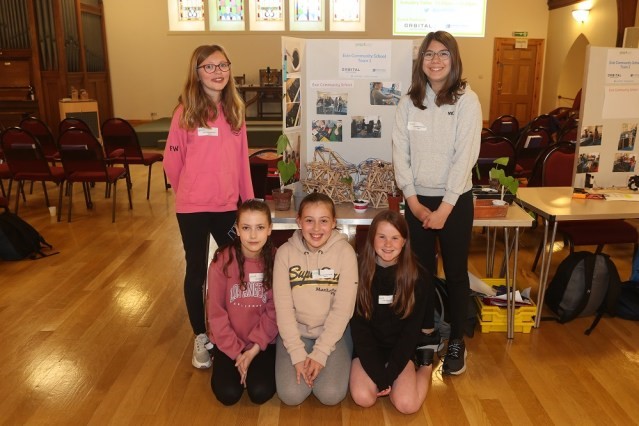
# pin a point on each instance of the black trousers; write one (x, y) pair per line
(195, 229)
(260, 378)
(454, 242)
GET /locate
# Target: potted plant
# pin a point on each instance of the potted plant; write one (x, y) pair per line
(499, 175)
(286, 169)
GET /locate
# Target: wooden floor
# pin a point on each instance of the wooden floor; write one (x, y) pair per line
(98, 334)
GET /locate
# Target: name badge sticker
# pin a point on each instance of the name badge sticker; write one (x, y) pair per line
(416, 125)
(204, 131)
(327, 273)
(385, 299)
(315, 274)
(256, 277)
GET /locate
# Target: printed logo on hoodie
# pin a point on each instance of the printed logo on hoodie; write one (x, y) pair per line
(322, 277)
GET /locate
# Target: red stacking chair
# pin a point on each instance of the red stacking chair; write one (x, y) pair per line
(42, 133)
(122, 146)
(27, 161)
(83, 161)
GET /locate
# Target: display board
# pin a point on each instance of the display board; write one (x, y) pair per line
(342, 95)
(609, 115)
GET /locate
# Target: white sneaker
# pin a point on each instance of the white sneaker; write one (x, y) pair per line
(201, 356)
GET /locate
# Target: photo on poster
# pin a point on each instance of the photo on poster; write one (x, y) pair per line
(292, 90)
(588, 162)
(384, 93)
(332, 103)
(369, 126)
(326, 131)
(591, 135)
(293, 114)
(624, 162)
(627, 137)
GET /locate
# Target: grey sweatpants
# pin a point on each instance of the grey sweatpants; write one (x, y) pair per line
(331, 384)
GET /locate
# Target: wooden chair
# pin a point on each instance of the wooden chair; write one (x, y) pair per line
(270, 77)
(27, 162)
(83, 161)
(240, 79)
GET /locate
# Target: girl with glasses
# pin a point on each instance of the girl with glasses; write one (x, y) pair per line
(435, 146)
(206, 162)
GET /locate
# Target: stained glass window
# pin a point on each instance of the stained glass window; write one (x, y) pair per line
(191, 10)
(308, 10)
(267, 15)
(227, 15)
(186, 15)
(230, 10)
(306, 15)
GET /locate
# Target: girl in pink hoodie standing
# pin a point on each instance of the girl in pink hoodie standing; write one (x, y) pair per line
(241, 312)
(206, 161)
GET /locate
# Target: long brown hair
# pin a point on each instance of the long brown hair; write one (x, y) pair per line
(198, 106)
(408, 269)
(454, 85)
(235, 247)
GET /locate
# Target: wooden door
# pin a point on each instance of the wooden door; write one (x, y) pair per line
(516, 80)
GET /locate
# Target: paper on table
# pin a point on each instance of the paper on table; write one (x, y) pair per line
(618, 196)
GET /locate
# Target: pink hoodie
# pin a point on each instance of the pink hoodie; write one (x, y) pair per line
(208, 168)
(239, 318)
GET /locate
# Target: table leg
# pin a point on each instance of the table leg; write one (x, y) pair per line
(546, 257)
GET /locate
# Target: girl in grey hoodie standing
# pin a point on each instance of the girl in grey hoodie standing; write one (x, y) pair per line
(435, 146)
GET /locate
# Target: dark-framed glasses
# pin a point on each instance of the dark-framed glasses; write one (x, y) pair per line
(443, 55)
(210, 68)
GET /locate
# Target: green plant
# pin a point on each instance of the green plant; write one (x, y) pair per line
(497, 173)
(286, 167)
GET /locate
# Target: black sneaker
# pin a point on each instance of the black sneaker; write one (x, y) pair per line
(427, 345)
(455, 359)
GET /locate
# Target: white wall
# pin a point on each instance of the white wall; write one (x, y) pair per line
(148, 65)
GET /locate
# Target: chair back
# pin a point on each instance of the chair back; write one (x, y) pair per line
(262, 163)
(82, 153)
(491, 148)
(240, 79)
(118, 134)
(530, 144)
(507, 126)
(24, 155)
(43, 134)
(568, 133)
(555, 166)
(70, 122)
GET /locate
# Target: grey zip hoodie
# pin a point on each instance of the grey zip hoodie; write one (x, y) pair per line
(314, 294)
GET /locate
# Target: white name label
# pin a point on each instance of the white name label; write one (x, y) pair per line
(203, 131)
(256, 277)
(385, 299)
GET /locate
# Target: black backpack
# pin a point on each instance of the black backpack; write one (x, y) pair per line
(585, 284)
(19, 240)
(628, 303)
(442, 311)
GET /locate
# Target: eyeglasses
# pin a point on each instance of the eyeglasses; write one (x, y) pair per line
(443, 55)
(210, 68)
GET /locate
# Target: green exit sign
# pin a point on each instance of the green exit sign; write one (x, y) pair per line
(520, 33)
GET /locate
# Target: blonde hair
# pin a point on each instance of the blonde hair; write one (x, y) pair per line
(198, 106)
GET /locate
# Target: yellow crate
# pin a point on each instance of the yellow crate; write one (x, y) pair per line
(493, 318)
(490, 326)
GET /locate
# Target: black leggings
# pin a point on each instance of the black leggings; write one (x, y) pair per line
(260, 378)
(196, 229)
(454, 242)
